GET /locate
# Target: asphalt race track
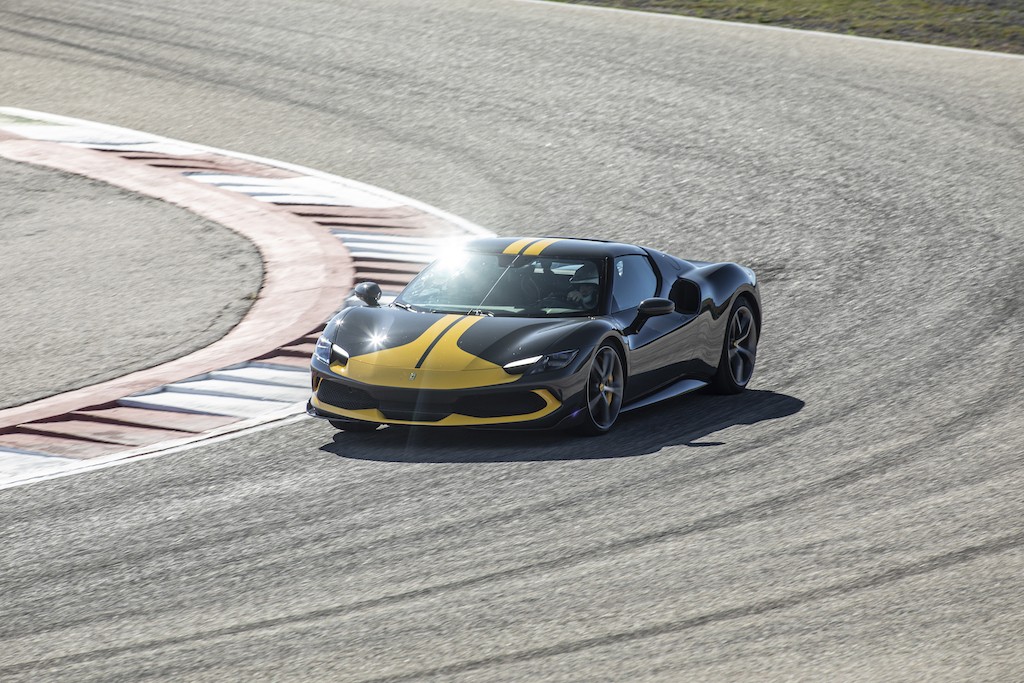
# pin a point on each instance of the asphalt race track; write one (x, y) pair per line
(857, 516)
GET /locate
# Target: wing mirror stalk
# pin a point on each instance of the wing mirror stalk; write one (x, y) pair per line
(369, 293)
(649, 308)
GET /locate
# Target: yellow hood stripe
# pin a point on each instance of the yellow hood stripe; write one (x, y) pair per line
(446, 348)
(430, 348)
(432, 361)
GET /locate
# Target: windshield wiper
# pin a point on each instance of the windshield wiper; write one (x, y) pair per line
(402, 305)
(479, 311)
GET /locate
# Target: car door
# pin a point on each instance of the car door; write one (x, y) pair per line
(652, 361)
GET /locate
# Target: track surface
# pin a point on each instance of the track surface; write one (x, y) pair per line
(858, 516)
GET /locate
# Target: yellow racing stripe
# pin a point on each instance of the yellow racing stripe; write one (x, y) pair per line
(446, 352)
(537, 247)
(406, 355)
(517, 246)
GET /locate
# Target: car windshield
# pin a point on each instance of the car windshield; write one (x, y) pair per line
(507, 285)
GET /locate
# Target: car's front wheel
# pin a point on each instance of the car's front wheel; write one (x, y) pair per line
(605, 385)
(354, 426)
(739, 350)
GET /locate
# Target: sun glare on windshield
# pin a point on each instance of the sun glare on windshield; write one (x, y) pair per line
(451, 262)
(507, 285)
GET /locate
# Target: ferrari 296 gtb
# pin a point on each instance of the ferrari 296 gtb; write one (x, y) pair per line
(537, 333)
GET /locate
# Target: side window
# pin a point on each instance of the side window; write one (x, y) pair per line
(633, 280)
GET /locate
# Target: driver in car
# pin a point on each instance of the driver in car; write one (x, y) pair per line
(583, 287)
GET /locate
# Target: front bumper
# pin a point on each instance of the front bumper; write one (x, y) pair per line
(520, 404)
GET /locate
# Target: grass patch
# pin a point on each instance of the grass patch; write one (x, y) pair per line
(978, 24)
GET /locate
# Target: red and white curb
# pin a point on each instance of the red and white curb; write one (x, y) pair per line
(318, 235)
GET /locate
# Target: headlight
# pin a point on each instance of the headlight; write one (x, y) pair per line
(535, 364)
(327, 351)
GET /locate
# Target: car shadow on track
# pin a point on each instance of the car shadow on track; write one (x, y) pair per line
(682, 421)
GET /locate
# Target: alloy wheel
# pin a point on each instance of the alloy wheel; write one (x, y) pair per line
(604, 388)
(742, 346)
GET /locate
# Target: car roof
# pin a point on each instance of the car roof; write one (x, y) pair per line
(552, 247)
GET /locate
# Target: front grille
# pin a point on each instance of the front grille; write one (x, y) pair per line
(343, 396)
(419, 411)
(427, 405)
(500, 405)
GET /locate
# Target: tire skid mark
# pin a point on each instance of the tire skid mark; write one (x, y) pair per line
(868, 582)
(755, 511)
(935, 563)
(583, 498)
(127, 62)
(124, 37)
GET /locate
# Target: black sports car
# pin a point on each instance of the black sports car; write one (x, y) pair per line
(537, 333)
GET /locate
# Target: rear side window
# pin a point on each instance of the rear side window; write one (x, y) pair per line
(633, 280)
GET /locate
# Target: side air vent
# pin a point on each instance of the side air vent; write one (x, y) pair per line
(686, 296)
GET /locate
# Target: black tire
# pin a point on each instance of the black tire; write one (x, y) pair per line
(353, 426)
(606, 382)
(739, 350)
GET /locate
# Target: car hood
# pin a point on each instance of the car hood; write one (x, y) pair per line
(395, 347)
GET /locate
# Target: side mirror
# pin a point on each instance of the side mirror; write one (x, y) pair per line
(368, 293)
(649, 308)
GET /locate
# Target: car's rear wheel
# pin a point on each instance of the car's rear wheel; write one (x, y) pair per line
(739, 350)
(605, 385)
(354, 426)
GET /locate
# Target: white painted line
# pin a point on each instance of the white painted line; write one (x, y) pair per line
(221, 179)
(145, 147)
(312, 200)
(243, 183)
(270, 365)
(258, 190)
(16, 463)
(392, 198)
(263, 375)
(300, 190)
(393, 256)
(247, 390)
(7, 450)
(289, 415)
(350, 237)
(181, 402)
(390, 247)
